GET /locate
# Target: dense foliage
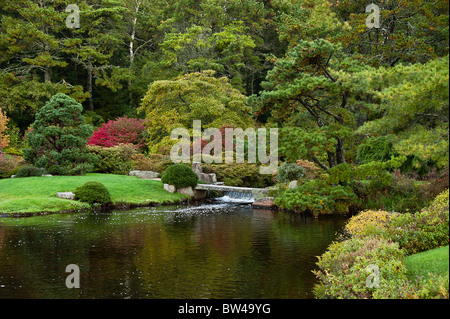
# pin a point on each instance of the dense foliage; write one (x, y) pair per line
(346, 98)
(4, 138)
(180, 176)
(30, 171)
(239, 175)
(123, 130)
(290, 172)
(113, 160)
(93, 193)
(57, 141)
(382, 239)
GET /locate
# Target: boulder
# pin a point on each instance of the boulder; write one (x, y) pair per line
(144, 174)
(200, 194)
(186, 191)
(203, 177)
(293, 184)
(170, 188)
(207, 178)
(66, 195)
(264, 203)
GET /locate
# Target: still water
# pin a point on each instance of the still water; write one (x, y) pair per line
(209, 251)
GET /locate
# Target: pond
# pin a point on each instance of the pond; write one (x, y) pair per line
(218, 251)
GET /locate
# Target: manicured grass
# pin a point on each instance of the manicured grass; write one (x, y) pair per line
(38, 194)
(435, 261)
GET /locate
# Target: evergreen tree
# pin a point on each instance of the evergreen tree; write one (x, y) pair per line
(57, 141)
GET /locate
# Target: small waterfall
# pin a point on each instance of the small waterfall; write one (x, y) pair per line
(237, 198)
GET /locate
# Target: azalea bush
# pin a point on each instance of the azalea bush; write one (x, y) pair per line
(123, 130)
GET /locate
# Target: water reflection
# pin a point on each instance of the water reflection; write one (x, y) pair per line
(212, 251)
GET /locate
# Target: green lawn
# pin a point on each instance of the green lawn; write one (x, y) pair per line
(38, 194)
(435, 261)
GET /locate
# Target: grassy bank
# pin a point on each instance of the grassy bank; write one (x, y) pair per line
(38, 194)
(435, 261)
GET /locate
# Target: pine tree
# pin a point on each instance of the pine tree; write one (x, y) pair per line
(58, 137)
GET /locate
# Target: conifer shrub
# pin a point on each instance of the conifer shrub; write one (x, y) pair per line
(290, 172)
(180, 176)
(57, 140)
(93, 193)
(30, 171)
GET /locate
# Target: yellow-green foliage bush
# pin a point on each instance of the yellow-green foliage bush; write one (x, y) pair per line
(367, 223)
(113, 160)
(345, 269)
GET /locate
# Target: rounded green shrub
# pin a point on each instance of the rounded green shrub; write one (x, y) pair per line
(180, 176)
(93, 193)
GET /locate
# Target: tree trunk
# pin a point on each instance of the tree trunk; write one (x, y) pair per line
(331, 159)
(340, 151)
(89, 86)
(48, 74)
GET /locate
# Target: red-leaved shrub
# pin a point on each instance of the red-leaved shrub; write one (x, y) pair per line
(120, 131)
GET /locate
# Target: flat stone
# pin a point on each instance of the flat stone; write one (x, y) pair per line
(170, 188)
(66, 195)
(293, 184)
(186, 191)
(144, 174)
(265, 202)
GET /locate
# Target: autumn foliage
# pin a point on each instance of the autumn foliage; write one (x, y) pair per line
(4, 139)
(123, 130)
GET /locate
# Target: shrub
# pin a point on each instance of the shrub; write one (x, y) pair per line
(290, 172)
(30, 171)
(424, 230)
(367, 223)
(317, 197)
(344, 269)
(58, 138)
(93, 193)
(155, 162)
(180, 176)
(113, 160)
(239, 175)
(376, 149)
(4, 138)
(120, 131)
(7, 164)
(311, 169)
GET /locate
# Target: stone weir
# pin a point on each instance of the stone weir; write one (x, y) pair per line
(256, 192)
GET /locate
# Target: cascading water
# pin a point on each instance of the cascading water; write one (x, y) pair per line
(237, 198)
